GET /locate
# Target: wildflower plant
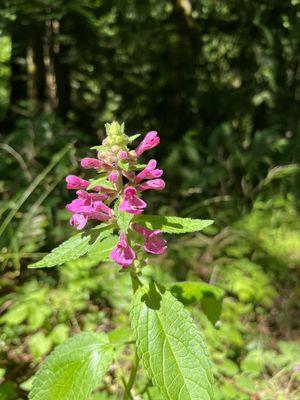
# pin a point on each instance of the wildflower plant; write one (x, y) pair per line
(110, 212)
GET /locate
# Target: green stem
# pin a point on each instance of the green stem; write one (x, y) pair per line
(126, 393)
(136, 283)
(128, 387)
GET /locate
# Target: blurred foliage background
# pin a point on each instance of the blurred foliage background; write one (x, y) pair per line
(220, 81)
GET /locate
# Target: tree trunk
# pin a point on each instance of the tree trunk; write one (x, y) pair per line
(18, 80)
(61, 71)
(38, 31)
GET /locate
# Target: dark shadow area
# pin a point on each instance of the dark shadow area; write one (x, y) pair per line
(153, 297)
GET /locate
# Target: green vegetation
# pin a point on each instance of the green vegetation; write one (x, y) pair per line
(220, 83)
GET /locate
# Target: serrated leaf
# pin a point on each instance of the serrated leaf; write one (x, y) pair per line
(172, 224)
(210, 297)
(74, 369)
(100, 182)
(170, 345)
(100, 252)
(73, 248)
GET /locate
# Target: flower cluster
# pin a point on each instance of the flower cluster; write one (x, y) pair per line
(120, 180)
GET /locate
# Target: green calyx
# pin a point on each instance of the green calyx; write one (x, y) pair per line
(116, 135)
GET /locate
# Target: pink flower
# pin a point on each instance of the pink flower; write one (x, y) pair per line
(113, 177)
(149, 172)
(150, 140)
(78, 206)
(88, 203)
(78, 220)
(82, 194)
(153, 243)
(74, 182)
(122, 253)
(89, 163)
(155, 184)
(88, 206)
(101, 211)
(131, 202)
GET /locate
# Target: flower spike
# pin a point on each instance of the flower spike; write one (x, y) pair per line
(114, 164)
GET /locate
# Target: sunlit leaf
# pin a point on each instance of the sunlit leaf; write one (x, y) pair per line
(173, 224)
(74, 369)
(170, 345)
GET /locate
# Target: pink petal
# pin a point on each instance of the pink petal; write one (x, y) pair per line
(88, 163)
(113, 177)
(149, 172)
(150, 140)
(78, 220)
(155, 244)
(74, 182)
(155, 184)
(122, 253)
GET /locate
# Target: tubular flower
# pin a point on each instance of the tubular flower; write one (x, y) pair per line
(122, 253)
(153, 242)
(117, 188)
(149, 172)
(88, 206)
(131, 202)
(151, 140)
(155, 184)
(74, 182)
(89, 163)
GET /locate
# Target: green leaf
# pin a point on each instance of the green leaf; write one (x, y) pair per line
(173, 224)
(133, 137)
(74, 247)
(228, 368)
(71, 249)
(16, 315)
(74, 369)
(280, 172)
(123, 219)
(8, 391)
(98, 148)
(60, 333)
(27, 385)
(170, 345)
(120, 335)
(139, 166)
(100, 182)
(124, 165)
(210, 297)
(39, 344)
(100, 252)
